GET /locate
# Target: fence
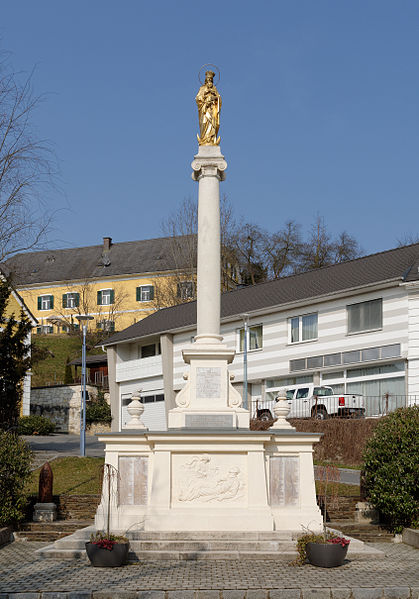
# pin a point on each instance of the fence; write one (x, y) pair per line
(348, 406)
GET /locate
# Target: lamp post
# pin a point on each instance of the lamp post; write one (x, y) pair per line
(246, 335)
(83, 320)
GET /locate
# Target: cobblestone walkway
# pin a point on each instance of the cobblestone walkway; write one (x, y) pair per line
(21, 570)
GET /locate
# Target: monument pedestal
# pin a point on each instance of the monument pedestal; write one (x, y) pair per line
(203, 480)
(208, 399)
(45, 512)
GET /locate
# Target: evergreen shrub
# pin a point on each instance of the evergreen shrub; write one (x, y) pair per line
(15, 464)
(35, 425)
(98, 410)
(391, 468)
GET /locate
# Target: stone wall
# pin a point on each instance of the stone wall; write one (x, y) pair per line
(61, 404)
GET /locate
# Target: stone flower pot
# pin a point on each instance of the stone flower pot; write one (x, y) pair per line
(107, 558)
(326, 555)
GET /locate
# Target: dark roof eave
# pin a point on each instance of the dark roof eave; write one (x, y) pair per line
(266, 310)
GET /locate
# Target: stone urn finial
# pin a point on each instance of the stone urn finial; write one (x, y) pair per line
(135, 410)
(281, 411)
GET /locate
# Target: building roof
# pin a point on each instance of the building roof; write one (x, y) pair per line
(20, 302)
(397, 264)
(96, 261)
(94, 360)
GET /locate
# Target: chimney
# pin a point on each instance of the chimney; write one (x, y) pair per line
(107, 242)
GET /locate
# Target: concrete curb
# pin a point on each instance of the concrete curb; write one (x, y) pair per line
(291, 593)
(410, 536)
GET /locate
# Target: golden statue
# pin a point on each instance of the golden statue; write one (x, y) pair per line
(209, 105)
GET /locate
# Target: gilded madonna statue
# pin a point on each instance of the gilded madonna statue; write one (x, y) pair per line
(209, 105)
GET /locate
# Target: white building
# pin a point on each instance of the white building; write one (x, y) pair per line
(354, 326)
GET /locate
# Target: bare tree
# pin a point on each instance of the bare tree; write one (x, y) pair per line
(408, 239)
(249, 244)
(27, 165)
(182, 228)
(282, 250)
(322, 249)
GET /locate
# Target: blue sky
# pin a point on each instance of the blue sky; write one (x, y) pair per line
(320, 110)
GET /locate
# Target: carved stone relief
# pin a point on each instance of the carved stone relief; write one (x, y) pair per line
(207, 479)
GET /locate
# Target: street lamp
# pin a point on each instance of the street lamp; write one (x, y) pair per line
(246, 334)
(83, 320)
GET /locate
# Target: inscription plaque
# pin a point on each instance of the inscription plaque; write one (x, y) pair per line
(133, 479)
(208, 421)
(208, 382)
(284, 479)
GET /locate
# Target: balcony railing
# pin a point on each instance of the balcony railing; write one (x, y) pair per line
(358, 406)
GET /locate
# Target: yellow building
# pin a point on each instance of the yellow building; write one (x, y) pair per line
(116, 283)
(14, 307)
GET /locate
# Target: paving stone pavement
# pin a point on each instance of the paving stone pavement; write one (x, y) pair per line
(24, 576)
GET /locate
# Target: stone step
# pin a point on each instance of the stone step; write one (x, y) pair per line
(368, 533)
(197, 545)
(63, 525)
(48, 531)
(225, 546)
(208, 536)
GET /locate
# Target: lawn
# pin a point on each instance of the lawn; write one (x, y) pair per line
(72, 476)
(57, 348)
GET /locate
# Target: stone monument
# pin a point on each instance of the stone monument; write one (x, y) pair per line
(45, 509)
(208, 471)
(208, 400)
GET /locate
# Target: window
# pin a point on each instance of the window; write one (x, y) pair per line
(105, 297)
(71, 300)
(145, 293)
(186, 290)
(146, 351)
(105, 325)
(45, 302)
(303, 328)
(302, 393)
(44, 329)
(365, 316)
(255, 338)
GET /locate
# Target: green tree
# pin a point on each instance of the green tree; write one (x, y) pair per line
(391, 468)
(14, 358)
(15, 468)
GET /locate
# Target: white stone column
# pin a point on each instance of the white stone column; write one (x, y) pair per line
(208, 169)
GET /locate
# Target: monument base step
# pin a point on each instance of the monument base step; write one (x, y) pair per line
(197, 546)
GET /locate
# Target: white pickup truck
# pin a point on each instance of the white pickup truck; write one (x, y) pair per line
(312, 401)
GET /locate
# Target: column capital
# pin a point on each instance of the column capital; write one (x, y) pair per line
(209, 162)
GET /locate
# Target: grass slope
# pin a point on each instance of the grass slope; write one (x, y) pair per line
(72, 476)
(51, 370)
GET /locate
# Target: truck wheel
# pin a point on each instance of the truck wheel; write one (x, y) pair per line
(265, 417)
(319, 413)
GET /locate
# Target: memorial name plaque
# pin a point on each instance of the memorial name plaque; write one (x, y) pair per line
(209, 421)
(133, 471)
(284, 479)
(208, 382)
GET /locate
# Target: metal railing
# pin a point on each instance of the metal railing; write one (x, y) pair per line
(321, 408)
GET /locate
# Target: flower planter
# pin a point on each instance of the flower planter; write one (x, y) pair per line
(107, 558)
(326, 555)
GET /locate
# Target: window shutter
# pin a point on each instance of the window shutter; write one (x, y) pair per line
(112, 297)
(138, 294)
(151, 292)
(39, 302)
(77, 299)
(64, 300)
(99, 298)
(51, 300)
